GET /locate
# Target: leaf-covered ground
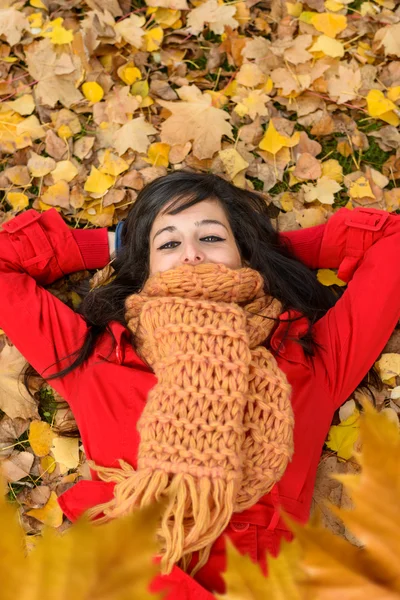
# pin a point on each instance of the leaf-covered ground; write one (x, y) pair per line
(298, 100)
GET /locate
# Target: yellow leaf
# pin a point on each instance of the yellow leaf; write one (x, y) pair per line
(328, 23)
(24, 105)
(98, 182)
(38, 4)
(324, 190)
(48, 463)
(388, 365)
(112, 164)
(64, 132)
(393, 93)
(129, 73)
(92, 91)
(65, 170)
(40, 165)
(218, 98)
(294, 10)
(331, 168)
(233, 161)
(17, 200)
(140, 88)
(391, 118)
(328, 277)
(51, 513)
(273, 141)
(360, 189)
(43, 206)
(329, 46)
(40, 437)
(153, 39)
(341, 438)
(378, 104)
(286, 201)
(57, 194)
(66, 451)
(245, 581)
(158, 154)
(57, 33)
(333, 5)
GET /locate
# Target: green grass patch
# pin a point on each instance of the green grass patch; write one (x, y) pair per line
(48, 405)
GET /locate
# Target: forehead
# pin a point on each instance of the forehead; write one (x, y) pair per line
(205, 209)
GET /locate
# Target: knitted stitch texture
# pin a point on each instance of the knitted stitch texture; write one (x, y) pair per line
(217, 429)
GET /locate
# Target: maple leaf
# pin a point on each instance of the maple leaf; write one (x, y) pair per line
(114, 561)
(334, 566)
(217, 16)
(14, 398)
(344, 87)
(12, 23)
(134, 134)
(56, 72)
(195, 120)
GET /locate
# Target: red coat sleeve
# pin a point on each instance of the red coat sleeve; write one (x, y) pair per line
(35, 250)
(364, 245)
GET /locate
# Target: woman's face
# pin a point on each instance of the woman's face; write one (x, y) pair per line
(199, 234)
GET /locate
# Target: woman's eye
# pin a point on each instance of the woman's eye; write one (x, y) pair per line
(214, 238)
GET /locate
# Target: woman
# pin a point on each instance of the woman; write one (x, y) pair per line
(316, 350)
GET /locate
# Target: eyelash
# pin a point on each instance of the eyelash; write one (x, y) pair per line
(163, 247)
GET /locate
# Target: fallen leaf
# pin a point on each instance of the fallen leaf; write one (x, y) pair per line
(40, 437)
(216, 16)
(133, 134)
(273, 141)
(51, 513)
(14, 398)
(232, 161)
(341, 438)
(328, 277)
(329, 46)
(12, 23)
(98, 182)
(195, 121)
(307, 167)
(40, 165)
(92, 91)
(324, 190)
(66, 451)
(65, 170)
(17, 466)
(389, 366)
(17, 200)
(360, 189)
(57, 194)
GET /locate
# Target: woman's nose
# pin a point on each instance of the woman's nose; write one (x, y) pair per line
(192, 255)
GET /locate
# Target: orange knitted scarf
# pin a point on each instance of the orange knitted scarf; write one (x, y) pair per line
(217, 429)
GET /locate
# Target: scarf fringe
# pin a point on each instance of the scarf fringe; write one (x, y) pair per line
(197, 512)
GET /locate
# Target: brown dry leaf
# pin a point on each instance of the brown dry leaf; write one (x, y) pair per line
(57, 74)
(14, 398)
(344, 87)
(133, 134)
(307, 167)
(17, 466)
(195, 120)
(40, 165)
(216, 16)
(57, 194)
(12, 23)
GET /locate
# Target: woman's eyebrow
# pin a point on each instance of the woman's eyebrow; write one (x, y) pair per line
(171, 228)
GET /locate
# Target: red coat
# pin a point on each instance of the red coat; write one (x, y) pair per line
(108, 393)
